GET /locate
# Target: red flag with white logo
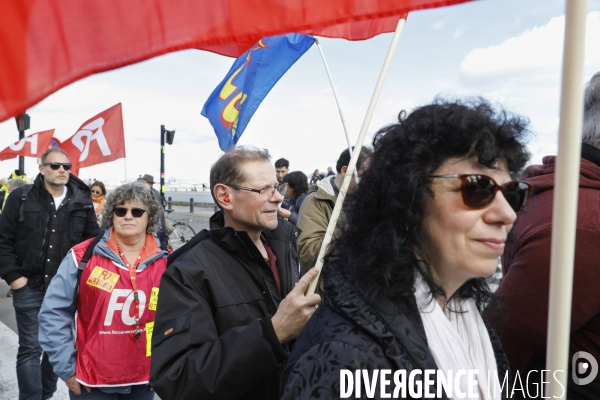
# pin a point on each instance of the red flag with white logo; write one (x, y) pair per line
(98, 140)
(33, 145)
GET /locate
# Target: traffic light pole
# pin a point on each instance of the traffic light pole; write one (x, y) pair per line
(167, 136)
(23, 123)
(162, 165)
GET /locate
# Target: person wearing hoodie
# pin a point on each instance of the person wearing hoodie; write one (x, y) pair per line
(317, 208)
(526, 267)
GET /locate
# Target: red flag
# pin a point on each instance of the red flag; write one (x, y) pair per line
(48, 44)
(98, 140)
(31, 146)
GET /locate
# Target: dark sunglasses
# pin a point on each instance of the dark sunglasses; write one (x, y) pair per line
(478, 191)
(135, 212)
(96, 191)
(56, 165)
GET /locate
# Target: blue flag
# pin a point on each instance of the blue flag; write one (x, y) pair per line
(232, 104)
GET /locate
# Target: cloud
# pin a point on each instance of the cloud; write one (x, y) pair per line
(459, 31)
(534, 54)
(438, 25)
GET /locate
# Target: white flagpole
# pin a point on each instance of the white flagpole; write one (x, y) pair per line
(125, 164)
(337, 102)
(357, 148)
(565, 198)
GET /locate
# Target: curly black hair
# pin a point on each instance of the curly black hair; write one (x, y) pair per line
(298, 182)
(383, 243)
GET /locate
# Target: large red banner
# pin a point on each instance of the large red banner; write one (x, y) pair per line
(98, 140)
(33, 145)
(48, 44)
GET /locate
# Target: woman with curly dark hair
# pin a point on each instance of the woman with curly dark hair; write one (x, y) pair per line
(405, 281)
(296, 191)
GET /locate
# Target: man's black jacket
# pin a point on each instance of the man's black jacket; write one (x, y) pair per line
(23, 244)
(213, 337)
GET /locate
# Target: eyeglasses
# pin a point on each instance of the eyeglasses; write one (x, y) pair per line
(478, 191)
(96, 191)
(56, 165)
(264, 193)
(135, 212)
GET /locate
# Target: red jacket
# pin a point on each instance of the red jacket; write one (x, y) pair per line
(524, 289)
(108, 354)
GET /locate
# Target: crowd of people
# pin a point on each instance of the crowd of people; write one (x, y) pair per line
(442, 194)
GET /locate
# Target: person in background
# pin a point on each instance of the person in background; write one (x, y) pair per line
(315, 214)
(114, 300)
(98, 193)
(296, 191)
(12, 184)
(526, 266)
(330, 171)
(405, 280)
(3, 191)
(316, 177)
(282, 167)
(162, 233)
(4, 182)
(150, 181)
(39, 225)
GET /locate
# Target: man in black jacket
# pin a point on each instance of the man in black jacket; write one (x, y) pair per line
(39, 224)
(229, 303)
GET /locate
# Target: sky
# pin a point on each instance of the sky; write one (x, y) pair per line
(507, 51)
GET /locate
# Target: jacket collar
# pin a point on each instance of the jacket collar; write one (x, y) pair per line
(80, 192)
(103, 250)
(393, 324)
(324, 190)
(231, 238)
(590, 153)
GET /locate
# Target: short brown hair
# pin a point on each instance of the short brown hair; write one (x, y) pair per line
(228, 168)
(53, 150)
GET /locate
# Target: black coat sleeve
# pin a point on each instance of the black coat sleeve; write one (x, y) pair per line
(9, 223)
(190, 360)
(91, 228)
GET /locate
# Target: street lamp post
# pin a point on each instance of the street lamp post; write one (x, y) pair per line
(167, 136)
(23, 123)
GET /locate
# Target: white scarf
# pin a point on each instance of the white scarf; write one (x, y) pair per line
(459, 341)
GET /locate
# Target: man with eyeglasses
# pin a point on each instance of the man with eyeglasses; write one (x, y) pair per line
(232, 300)
(39, 224)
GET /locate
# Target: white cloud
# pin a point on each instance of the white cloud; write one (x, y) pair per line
(438, 25)
(459, 32)
(534, 54)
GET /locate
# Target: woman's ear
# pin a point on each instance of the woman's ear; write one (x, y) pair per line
(222, 196)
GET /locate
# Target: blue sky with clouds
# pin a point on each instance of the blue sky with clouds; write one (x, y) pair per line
(508, 51)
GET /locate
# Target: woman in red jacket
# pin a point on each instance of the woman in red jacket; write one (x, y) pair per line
(112, 303)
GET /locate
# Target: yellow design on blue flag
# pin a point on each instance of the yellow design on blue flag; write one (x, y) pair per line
(232, 104)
